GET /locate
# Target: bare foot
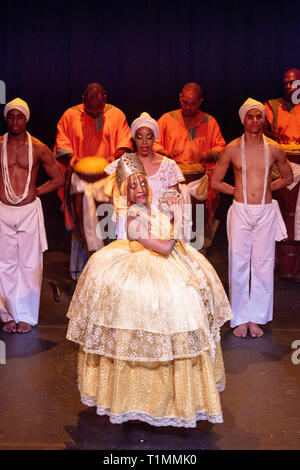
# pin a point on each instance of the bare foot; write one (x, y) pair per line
(241, 330)
(23, 327)
(254, 329)
(10, 327)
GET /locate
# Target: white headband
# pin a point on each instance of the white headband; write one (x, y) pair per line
(144, 120)
(19, 104)
(250, 104)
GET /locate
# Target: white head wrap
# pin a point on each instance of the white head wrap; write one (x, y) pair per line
(19, 104)
(250, 104)
(144, 120)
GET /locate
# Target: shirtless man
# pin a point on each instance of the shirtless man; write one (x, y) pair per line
(22, 231)
(254, 220)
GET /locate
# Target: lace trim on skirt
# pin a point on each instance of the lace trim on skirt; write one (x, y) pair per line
(137, 345)
(154, 421)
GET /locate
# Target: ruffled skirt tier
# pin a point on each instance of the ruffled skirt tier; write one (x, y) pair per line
(148, 330)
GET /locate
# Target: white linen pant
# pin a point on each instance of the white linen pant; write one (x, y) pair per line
(251, 254)
(21, 262)
(91, 192)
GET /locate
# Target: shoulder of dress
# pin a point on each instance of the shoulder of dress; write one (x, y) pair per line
(167, 163)
(170, 162)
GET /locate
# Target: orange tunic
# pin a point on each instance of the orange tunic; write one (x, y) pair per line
(81, 135)
(174, 135)
(204, 136)
(283, 118)
(77, 133)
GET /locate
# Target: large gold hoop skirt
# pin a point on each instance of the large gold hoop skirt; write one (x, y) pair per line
(148, 329)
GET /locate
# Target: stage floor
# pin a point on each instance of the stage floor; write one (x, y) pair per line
(40, 406)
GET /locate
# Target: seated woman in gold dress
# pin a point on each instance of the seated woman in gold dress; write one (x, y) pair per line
(147, 313)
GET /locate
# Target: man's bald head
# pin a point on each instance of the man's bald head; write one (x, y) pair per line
(290, 76)
(191, 98)
(293, 71)
(94, 98)
(92, 88)
(193, 87)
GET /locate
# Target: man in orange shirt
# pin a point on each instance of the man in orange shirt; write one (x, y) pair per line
(283, 125)
(191, 136)
(93, 128)
(283, 114)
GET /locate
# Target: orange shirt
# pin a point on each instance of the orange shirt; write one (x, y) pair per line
(174, 135)
(77, 133)
(204, 136)
(279, 115)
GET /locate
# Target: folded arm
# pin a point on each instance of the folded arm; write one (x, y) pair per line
(51, 167)
(220, 171)
(137, 230)
(284, 168)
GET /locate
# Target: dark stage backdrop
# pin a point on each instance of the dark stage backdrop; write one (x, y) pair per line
(143, 53)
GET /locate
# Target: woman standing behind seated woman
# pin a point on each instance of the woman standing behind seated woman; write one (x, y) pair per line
(162, 172)
(147, 313)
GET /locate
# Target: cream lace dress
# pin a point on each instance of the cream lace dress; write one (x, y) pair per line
(148, 329)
